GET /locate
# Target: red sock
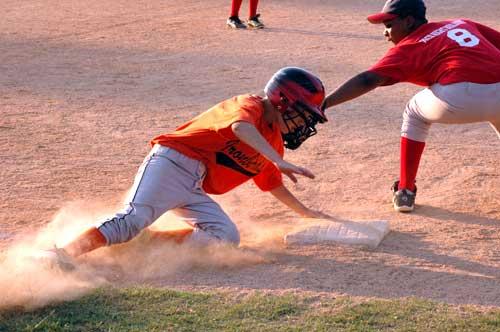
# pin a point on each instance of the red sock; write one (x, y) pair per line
(252, 8)
(235, 7)
(411, 151)
(88, 241)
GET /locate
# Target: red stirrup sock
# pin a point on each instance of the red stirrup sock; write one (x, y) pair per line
(411, 151)
(252, 8)
(88, 241)
(235, 7)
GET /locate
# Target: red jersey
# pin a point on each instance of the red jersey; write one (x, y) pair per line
(444, 52)
(229, 162)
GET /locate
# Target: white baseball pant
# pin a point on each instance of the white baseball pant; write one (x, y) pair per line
(453, 104)
(168, 180)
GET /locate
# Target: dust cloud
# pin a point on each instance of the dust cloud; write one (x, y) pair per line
(27, 283)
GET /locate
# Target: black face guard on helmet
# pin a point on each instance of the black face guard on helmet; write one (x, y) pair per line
(303, 129)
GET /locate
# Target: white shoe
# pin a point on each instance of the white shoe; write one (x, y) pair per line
(54, 258)
(255, 22)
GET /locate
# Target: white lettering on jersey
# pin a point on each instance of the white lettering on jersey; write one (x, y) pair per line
(441, 30)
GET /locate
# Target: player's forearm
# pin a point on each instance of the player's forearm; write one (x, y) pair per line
(251, 136)
(353, 88)
(282, 194)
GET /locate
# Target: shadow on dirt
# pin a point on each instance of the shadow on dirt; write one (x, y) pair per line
(322, 33)
(433, 212)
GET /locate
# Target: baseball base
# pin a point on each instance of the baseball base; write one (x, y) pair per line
(336, 231)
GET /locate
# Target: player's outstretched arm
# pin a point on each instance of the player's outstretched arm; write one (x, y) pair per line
(353, 88)
(286, 197)
(251, 136)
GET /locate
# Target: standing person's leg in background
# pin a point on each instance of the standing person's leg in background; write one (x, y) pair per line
(234, 20)
(253, 17)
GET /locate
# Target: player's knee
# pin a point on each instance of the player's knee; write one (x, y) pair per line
(414, 126)
(411, 111)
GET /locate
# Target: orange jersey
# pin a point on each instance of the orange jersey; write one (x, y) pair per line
(229, 162)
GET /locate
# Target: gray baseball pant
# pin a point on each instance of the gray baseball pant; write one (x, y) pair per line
(453, 104)
(168, 180)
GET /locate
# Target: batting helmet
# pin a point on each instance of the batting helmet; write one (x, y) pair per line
(297, 94)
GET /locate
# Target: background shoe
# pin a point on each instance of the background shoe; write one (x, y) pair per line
(55, 258)
(403, 199)
(255, 23)
(235, 23)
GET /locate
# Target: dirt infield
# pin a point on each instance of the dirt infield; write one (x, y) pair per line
(85, 85)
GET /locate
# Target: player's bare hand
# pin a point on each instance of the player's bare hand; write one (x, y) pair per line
(290, 170)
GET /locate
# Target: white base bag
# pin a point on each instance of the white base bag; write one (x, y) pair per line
(367, 233)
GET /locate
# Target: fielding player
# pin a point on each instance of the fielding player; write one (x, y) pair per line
(238, 139)
(457, 60)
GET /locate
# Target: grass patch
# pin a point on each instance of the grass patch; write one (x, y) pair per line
(154, 309)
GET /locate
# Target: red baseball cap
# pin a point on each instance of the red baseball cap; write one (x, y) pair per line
(399, 8)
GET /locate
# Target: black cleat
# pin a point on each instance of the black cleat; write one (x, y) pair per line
(235, 23)
(403, 199)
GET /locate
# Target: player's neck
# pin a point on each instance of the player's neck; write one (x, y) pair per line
(271, 114)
